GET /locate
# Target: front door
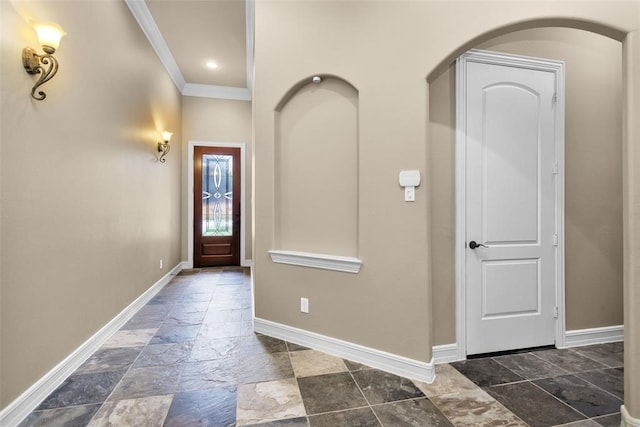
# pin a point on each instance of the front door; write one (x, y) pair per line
(216, 222)
(511, 235)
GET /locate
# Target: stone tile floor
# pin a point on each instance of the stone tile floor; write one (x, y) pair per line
(190, 358)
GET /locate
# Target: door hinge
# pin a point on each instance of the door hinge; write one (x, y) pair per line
(554, 99)
(555, 240)
(555, 168)
(555, 312)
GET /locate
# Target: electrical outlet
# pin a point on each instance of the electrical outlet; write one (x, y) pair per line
(304, 305)
(160, 264)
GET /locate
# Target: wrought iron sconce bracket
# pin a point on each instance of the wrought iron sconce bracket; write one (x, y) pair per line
(46, 65)
(49, 35)
(163, 147)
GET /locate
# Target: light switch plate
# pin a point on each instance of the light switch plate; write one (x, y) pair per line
(409, 194)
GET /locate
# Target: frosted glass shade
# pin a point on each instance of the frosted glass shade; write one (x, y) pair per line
(166, 136)
(49, 34)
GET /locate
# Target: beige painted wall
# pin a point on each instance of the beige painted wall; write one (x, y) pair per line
(87, 210)
(317, 170)
(631, 219)
(593, 175)
(386, 50)
(217, 120)
(441, 161)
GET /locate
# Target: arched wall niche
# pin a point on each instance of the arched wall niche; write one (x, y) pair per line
(593, 141)
(307, 81)
(316, 168)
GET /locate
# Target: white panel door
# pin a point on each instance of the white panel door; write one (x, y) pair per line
(510, 208)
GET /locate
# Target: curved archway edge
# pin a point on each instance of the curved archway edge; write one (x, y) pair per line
(594, 27)
(306, 81)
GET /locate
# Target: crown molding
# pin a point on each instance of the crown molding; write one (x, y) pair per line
(219, 92)
(149, 27)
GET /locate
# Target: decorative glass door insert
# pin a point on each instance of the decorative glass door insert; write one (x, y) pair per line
(217, 195)
(216, 206)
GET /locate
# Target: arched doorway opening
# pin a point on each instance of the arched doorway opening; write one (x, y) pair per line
(593, 143)
(624, 211)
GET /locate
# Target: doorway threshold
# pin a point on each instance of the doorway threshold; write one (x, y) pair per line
(508, 352)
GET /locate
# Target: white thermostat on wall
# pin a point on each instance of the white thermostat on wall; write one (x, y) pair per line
(409, 180)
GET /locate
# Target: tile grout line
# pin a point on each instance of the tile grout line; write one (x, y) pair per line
(567, 373)
(522, 381)
(576, 350)
(575, 374)
(337, 411)
(537, 357)
(365, 397)
(561, 401)
(446, 394)
(485, 392)
(509, 410)
(598, 387)
(368, 405)
(106, 400)
(295, 377)
(131, 367)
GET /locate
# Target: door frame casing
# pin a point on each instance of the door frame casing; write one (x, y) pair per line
(497, 58)
(190, 212)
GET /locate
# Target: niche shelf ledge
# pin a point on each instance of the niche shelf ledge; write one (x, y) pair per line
(313, 260)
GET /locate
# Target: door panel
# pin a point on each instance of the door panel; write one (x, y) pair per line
(510, 207)
(216, 206)
(510, 288)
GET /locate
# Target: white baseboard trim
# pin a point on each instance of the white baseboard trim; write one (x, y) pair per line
(627, 419)
(449, 352)
(247, 263)
(446, 353)
(603, 335)
(24, 404)
(393, 363)
(186, 265)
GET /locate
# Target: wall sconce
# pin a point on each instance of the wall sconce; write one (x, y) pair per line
(49, 35)
(164, 147)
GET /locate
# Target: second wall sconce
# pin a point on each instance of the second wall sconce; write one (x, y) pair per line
(49, 35)
(164, 147)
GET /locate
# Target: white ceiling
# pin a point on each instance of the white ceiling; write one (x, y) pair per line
(186, 34)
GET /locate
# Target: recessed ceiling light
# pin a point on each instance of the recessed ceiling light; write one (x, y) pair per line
(212, 65)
